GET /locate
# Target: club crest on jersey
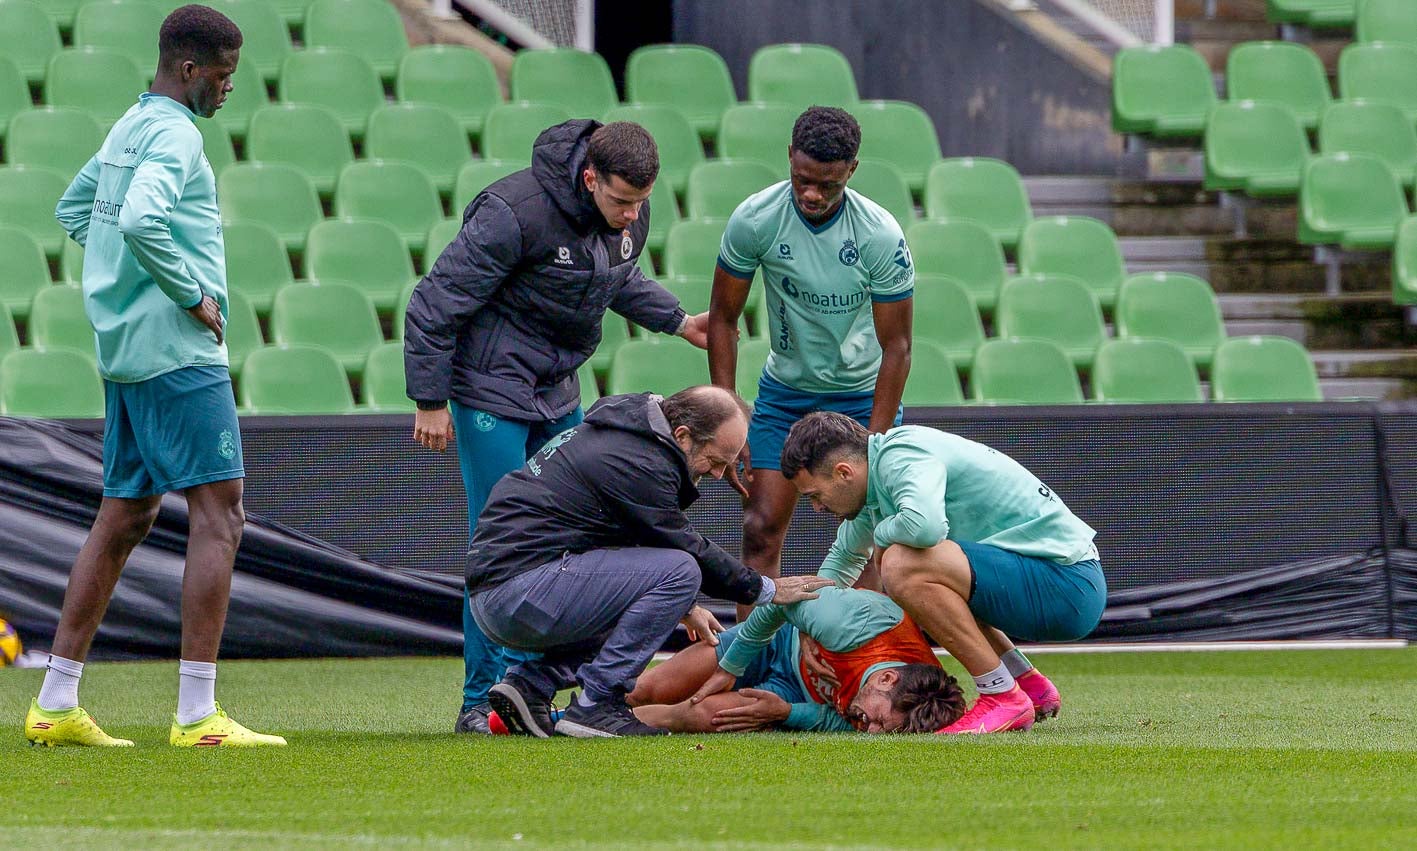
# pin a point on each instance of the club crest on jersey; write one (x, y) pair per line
(627, 245)
(848, 255)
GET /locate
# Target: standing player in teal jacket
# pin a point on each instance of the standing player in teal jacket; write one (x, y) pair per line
(145, 210)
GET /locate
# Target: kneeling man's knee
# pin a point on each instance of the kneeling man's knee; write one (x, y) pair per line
(903, 566)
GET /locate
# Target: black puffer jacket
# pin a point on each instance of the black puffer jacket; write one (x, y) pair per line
(514, 304)
(616, 480)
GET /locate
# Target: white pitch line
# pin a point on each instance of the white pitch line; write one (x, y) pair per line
(1196, 646)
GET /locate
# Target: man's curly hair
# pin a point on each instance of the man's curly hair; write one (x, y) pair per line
(198, 33)
(929, 697)
(827, 134)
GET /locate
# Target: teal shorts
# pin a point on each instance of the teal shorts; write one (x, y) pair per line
(171, 432)
(1034, 599)
(773, 669)
(779, 406)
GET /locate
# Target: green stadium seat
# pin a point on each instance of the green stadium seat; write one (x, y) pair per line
(1386, 20)
(1079, 246)
(933, 381)
(369, 255)
(54, 383)
(752, 359)
(1263, 369)
(14, 94)
(575, 80)
(338, 80)
(1023, 372)
(372, 29)
(1312, 13)
(28, 196)
(883, 183)
(24, 272)
(945, 316)
(247, 95)
(614, 331)
(257, 266)
(1144, 371)
(102, 82)
(1352, 200)
(1380, 71)
(440, 236)
(217, 145)
(801, 75)
(1163, 91)
(1171, 306)
(335, 317)
(57, 320)
(9, 337)
(422, 134)
(1404, 263)
(660, 364)
(901, 134)
(1054, 307)
(758, 131)
(456, 78)
(71, 263)
(1256, 148)
(61, 138)
(679, 147)
(694, 293)
(394, 192)
(294, 380)
(717, 187)
(590, 390)
(383, 388)
(477, 176)
(688, 77)
(291, 11)
(692, 247)
(1376, 129)
(401, 310)
(664, 212)
(987, 191)
(275, 194)
(28, 37)
(129, 27)
(265, 38)
(963, 250)
(243, 331)
(511, 128)
(1281, 72)
(646, 264)
(308, 137)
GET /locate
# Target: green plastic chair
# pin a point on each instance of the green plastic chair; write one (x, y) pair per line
(660, 364)
(1376, 129)
(367, 254)
(57, 137)
(1256, 148)
(758, 131)
(963, 250)
(128, 27)
(440, 236)
(590, 390)
(52, 383)
(57, 320)
(1079, 246)
(1404, 263)
(1144, 371)
(217, 145)
(102, 82)
(291, 11)
(14, 94)
(371, 29)
(933, 381)
(9, 337)
(1023, 372)
(901, 134)
(945, 316)
(401, 310)
(984, 190)
(456, 78)
(274, 194)
(338, 80)
(1161, 91)
(394, 192)
(247, 95)
(294, 380)
(1281, 72)
(28, 37)
(752, 359)
(1171, 306)
(679, 147)
(1380, 71)
(1353, 200)
(801, 75)
(614, 332)
(694, 293)
(306, 136)
(717, 187)
(692, 247)
(243, 331)
(575, 80)
(383, 388)
(1054, 307)
(1386, 20)
(883, 183)
(1313, 13)
(28, 196)
(71, 263)
(25, 270)
(476, 176)
(511, 128)
(265, 38)
(688, 77)
(423, 135)
(1263, 369)
(664, 213)
(257, 266)
(335, 317)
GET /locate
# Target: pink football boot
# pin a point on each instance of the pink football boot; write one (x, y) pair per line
(995, 713)
(1043, 693)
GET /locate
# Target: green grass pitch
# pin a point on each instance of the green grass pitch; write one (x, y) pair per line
(1309, 749)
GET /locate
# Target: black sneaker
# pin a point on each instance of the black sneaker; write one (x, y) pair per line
(473, 720)
(521, 708)
(608, 719)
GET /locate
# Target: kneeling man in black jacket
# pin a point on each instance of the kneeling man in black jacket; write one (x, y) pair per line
(586, 556)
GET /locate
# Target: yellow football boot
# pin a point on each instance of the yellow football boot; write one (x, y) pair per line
(67, 727)
(217, 730)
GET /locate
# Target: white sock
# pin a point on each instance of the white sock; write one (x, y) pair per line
(996, 681)
(61, 684)
(1016, 662)
(196, 690)
(584, 698)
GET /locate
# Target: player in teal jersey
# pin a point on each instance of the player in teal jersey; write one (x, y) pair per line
(839, 284)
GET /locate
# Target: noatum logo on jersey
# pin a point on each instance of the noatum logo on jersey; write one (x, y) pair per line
(824, 301)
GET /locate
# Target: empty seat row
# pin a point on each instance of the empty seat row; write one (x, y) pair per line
(1372, 20)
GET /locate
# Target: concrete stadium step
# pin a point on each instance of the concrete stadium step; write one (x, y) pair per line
(1140, 207)
(1235, 21)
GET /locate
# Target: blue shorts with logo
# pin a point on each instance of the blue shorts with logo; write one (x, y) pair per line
(1034, 599)
(170, 432)
(774, 669)
(779, 406)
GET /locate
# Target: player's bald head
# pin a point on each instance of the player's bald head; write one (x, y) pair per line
(703, 410)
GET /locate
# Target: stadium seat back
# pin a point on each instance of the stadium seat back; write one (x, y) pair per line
(944, 314)
(614, 331)
(1386, 20)
(217, 145)
(963, 250)
(440, 236)
(932, 381)
(687, 77)
(9, 337)
(883, 183)
(71, 263)
(1311, 13)
(752, 358)
(1028, 372)
(758, 131)
(663, 365)
(129, 27)
(303, 135)
(291, 11)
(1079, 246)
(664, 212)
(987, 191)
(57, 137)
(338, 80)
(1353, 200)
(369, 255)
(1404, 263)
(28, 37)
(1144, 371)
(459, 79)
(511, 128)
(476, 176)
(102, 82)
(1282, 72)
(692, 247)
(394, 192)
(25, 270)
(57, 320)
(294, 380)
(28, 196)
(1161, 91)
(1377, 129)
(1054, 307)
(1263, 369)
(590, 390)
(335, 317)
(717, 187)
(243, 331)
(265, 38)
(1258, 148)
(901, 134)
(1171, 306)
(575, 80)
(371, 29)
(63, 12)
(50, 383)
(14, 94)
(679, 146)
(257, 266)
(801, 75)
(422, 134)
(275, 194)
(1382, 71)
(383, 385)
(401, 310)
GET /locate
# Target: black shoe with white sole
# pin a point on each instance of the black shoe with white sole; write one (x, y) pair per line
(473, 720)
(608, 719)
(521, 708)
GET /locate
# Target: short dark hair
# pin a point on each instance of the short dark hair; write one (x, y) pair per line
(626, 150)
(198, 33)
(703, 409)
(929, 697)
(819, 438)
(827, 134)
